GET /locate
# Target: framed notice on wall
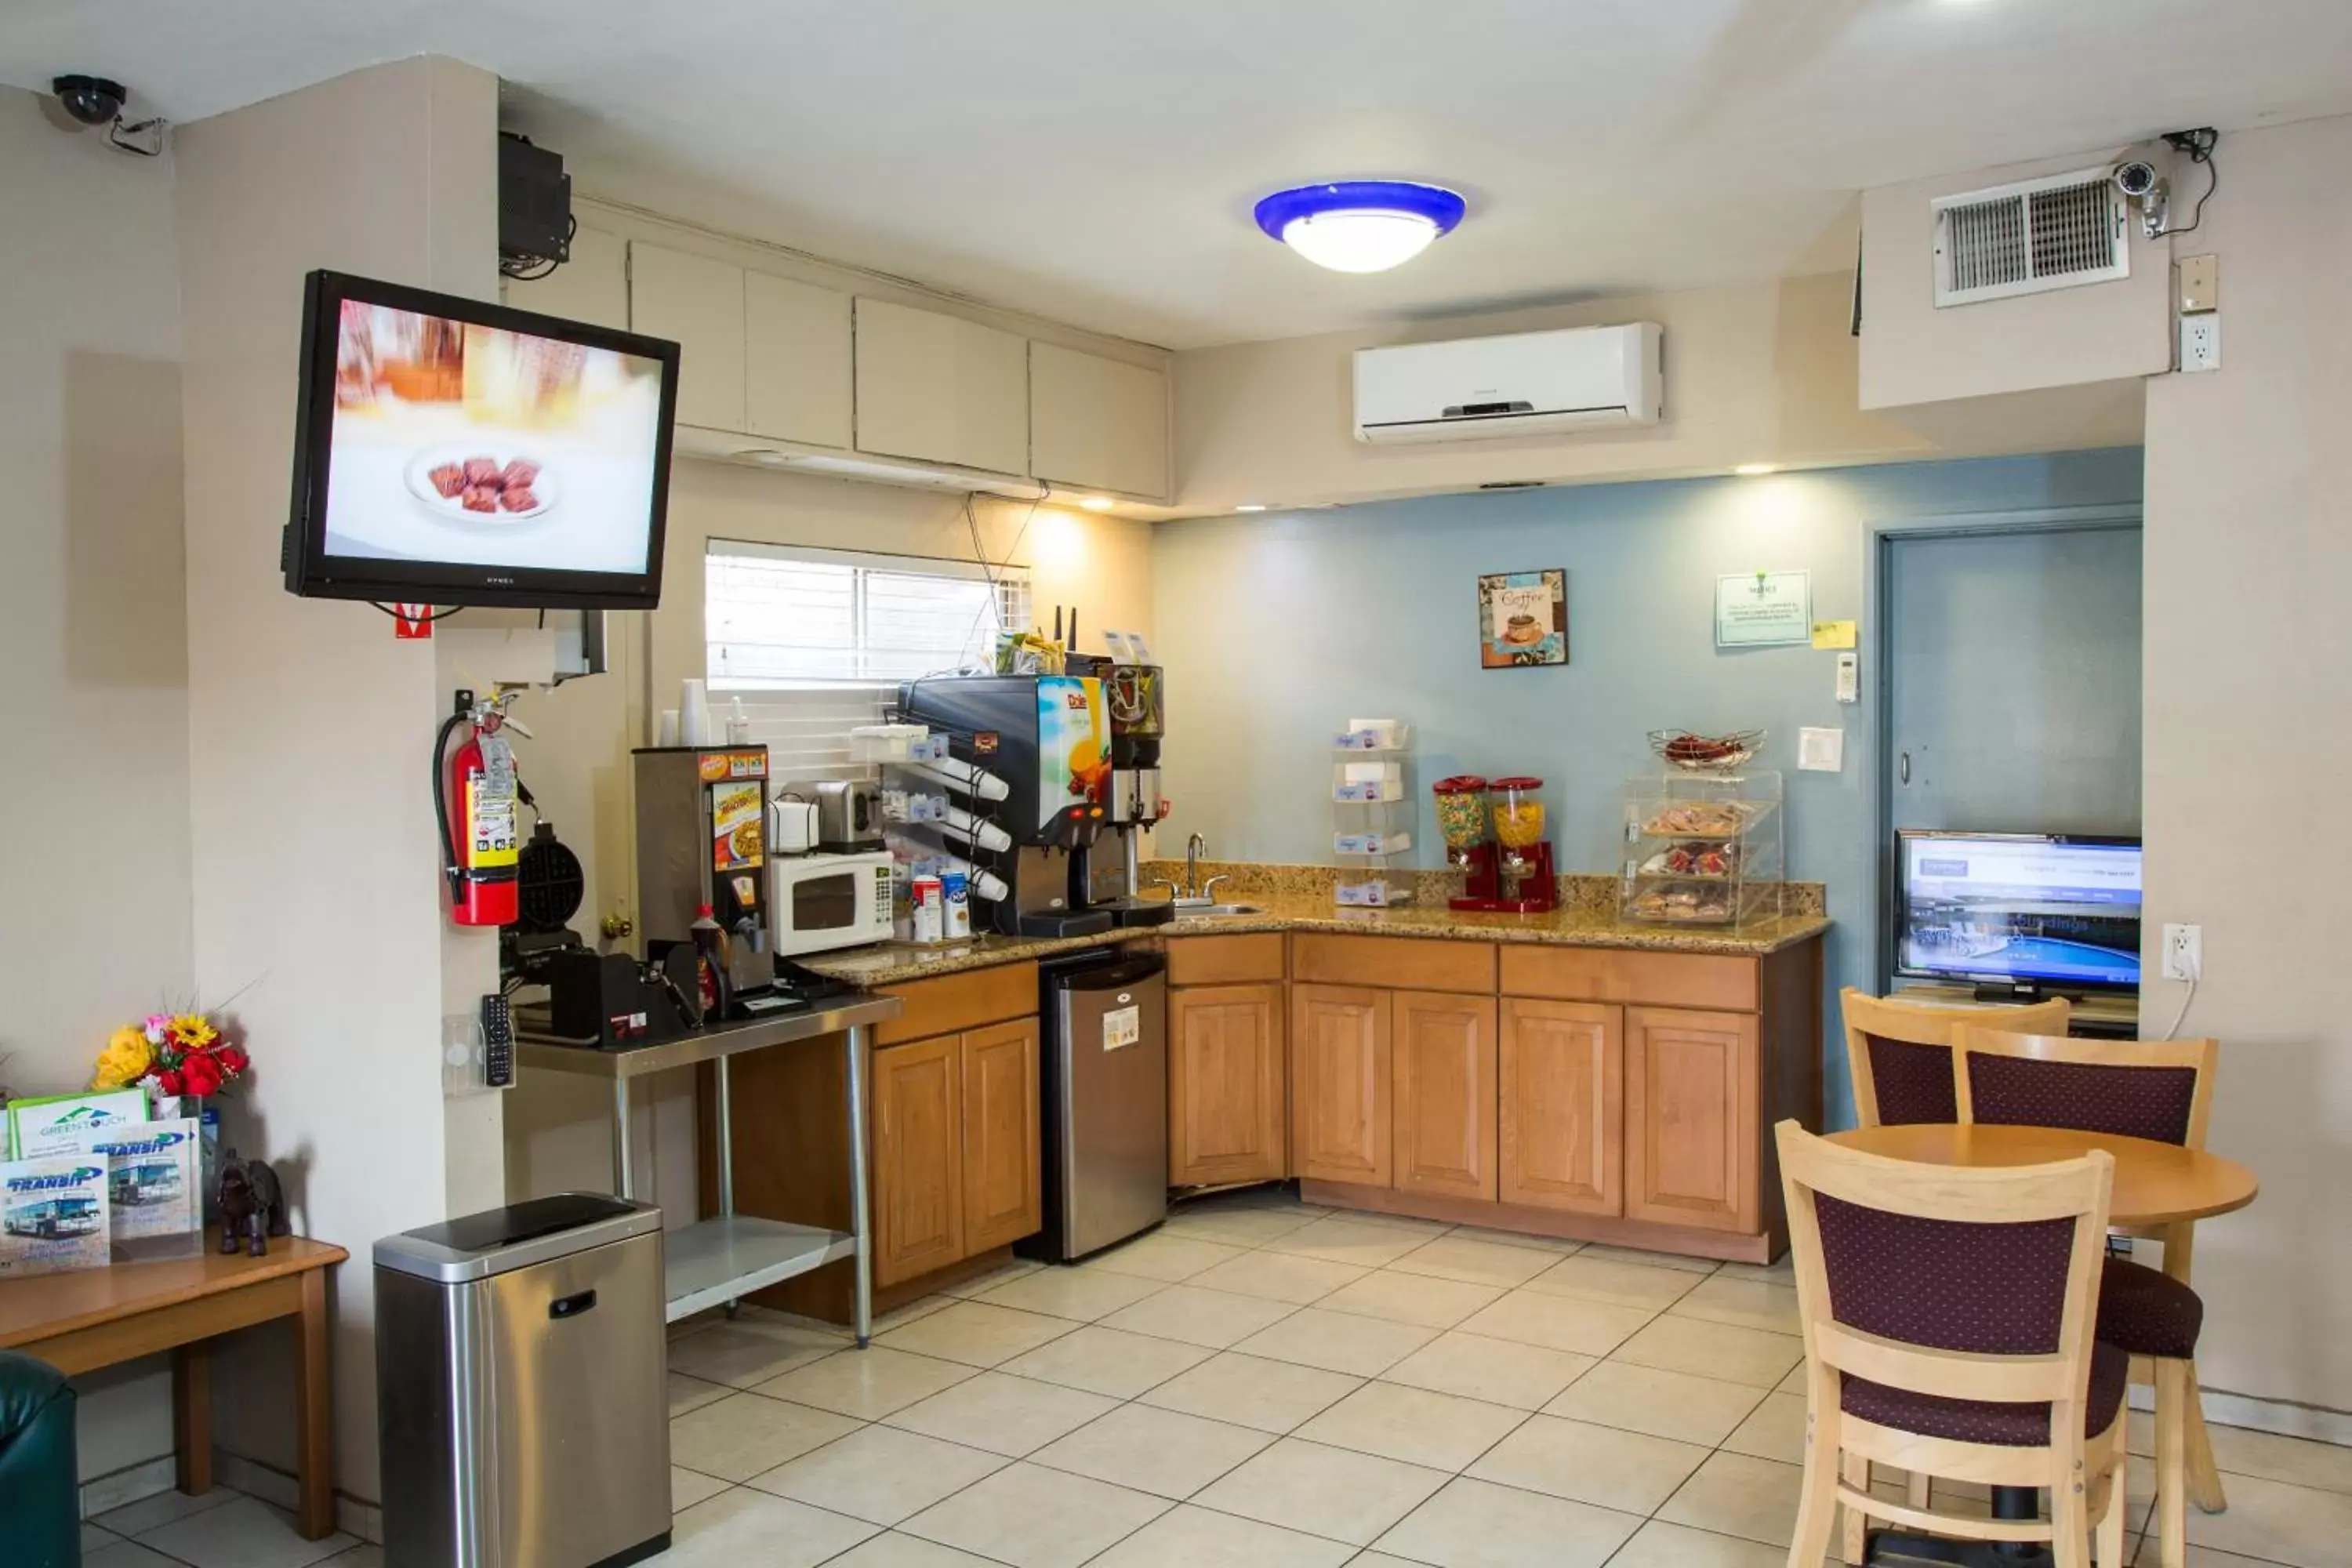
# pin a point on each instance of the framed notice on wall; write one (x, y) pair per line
(1763, 609)
(1522, 619)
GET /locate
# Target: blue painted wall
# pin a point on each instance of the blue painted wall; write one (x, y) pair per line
(1277, 628)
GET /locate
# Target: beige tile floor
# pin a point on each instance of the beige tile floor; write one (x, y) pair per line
(1262, 1384)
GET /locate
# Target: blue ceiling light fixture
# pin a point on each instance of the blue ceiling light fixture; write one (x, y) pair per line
(1360, 226)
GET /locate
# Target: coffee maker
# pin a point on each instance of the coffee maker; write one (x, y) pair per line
(702, 839)
(1107, 875)
(1045, 738)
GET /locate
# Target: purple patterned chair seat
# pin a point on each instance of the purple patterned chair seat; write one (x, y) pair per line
(2145, 1311)
(1983, 1420)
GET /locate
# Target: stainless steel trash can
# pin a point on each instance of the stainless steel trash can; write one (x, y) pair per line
(520, 1385)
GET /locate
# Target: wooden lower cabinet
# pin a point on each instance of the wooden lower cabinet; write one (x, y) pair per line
(1226, 1076)
(1560, 1101)
(1001, 1202)
(919, 1202)
(1692, 1118)
(1340, 1103)
(1442, 1056)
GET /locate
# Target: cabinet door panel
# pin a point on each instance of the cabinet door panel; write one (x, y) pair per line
(1339, 1084)
(1445, 1063)
(1562, 1129)
(940, 389)
(1001, 1150)
(698, 304)
(919, 1165)
(796, 361)
(1690, 1118)
(1098, 423)
(1225, 1111)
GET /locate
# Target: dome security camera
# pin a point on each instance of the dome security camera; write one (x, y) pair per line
(2137, 179)
(90, 99)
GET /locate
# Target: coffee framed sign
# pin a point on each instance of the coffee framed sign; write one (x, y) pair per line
(1522, 619)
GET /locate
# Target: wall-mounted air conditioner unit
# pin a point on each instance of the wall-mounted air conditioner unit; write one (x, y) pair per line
(2058, 232)
(1528, 383)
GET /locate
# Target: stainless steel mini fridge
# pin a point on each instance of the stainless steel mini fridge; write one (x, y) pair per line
(521, 1389)
(1105, 1091)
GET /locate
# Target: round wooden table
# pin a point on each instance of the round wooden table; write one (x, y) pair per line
(2155, 1184)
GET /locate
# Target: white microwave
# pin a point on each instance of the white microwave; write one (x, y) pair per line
(819, 903)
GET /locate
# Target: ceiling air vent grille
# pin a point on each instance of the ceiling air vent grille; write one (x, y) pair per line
(2053, 232)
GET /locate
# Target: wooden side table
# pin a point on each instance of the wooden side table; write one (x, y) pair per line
(90, 1318)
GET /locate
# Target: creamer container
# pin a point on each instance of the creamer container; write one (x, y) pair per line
(956, 888)
(931, 916)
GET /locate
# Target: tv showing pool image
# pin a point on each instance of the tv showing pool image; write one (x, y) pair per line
(2019, 909)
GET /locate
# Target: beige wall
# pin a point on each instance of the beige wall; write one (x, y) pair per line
(2248, 547)
(1755, 373)
(316, 893)
(578, 766)
(1913, 352)
(94, 634)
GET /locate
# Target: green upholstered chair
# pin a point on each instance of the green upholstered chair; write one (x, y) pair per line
(40, 1486)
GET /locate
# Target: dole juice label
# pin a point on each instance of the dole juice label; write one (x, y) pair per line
(1073, 758)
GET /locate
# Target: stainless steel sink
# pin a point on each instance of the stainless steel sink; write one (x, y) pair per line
(1186, 912)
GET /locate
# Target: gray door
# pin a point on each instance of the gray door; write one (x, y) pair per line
(2014, 670)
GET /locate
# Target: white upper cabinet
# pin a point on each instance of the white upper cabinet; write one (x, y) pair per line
(1096, 423)
(592, 286)
(698, 304)
(939, 389)
(796, 360)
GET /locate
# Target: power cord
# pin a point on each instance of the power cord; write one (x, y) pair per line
(2199, 145)
(2182, 1017)
(424, 620)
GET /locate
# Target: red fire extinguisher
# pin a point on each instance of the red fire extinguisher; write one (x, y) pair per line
(474, 792)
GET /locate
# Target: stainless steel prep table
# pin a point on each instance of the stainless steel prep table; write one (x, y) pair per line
(719, 1261)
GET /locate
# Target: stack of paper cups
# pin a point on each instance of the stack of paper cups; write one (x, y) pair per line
(694, 715)
(666, 733)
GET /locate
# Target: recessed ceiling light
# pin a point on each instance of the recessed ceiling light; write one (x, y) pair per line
(1750, 470)
(1360, 226)
(1096, 503)
(1251, 506)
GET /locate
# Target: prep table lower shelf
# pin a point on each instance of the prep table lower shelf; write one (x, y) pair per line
(719, 1261)
(715, 1261)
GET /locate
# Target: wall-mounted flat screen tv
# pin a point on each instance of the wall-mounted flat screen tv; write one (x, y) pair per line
(2056, 912)
(450, 452)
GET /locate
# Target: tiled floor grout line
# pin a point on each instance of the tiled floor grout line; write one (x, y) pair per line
(1158, 1284)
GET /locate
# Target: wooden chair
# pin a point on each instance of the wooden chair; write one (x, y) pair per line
(2157, 1089)
(1948, 1316)
(1899, 1054)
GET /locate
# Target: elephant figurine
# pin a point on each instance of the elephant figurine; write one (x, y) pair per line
(252, 1205)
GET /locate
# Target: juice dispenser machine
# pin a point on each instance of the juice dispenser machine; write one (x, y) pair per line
(1135, 702)
(1045, 737)
(701, 825)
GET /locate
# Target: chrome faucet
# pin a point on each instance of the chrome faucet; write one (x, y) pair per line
(1193, 890)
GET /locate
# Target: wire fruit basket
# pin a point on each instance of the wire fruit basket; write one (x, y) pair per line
(1698, 754)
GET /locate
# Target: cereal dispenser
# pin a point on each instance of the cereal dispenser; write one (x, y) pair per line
(1508, 867)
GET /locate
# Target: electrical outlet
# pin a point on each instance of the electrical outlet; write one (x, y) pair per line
(2184, 952)
(2201, 342)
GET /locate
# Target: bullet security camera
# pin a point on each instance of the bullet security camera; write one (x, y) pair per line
(2137, 179)
(90, 99)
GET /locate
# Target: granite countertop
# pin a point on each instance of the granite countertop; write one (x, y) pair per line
(1580, 923)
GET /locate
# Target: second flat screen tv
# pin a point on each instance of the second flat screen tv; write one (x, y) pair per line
(2056, 911)
(451, 452)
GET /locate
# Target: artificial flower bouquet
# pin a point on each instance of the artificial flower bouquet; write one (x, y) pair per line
(171, 1054)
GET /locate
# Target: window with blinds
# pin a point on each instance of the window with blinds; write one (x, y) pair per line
(815, 642)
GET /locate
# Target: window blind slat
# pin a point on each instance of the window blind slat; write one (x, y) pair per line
(817, 642)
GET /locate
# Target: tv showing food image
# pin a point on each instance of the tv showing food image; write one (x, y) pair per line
(457, 442)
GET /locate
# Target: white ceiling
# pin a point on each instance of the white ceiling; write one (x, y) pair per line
(1094, 161)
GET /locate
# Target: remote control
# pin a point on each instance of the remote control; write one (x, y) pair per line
(497, 1043)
